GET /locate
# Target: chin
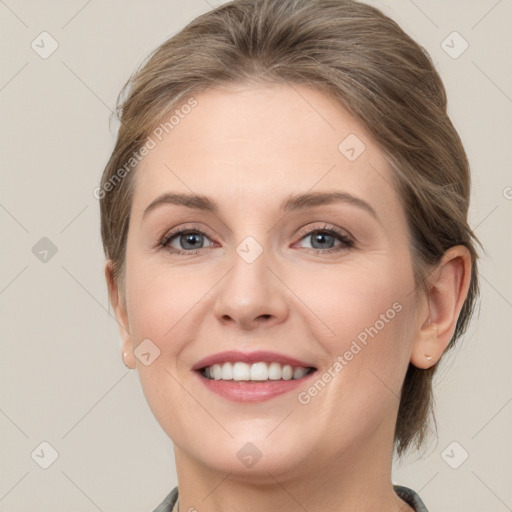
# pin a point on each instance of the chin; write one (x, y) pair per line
(251, 457)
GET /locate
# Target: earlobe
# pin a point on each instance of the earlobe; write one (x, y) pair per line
(121, 315)
(427, 350)
(128, 360)
(448, 291)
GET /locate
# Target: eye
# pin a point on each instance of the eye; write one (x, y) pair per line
(324, 239)
(184, 241)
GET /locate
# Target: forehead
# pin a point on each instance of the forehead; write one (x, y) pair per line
(252, 146)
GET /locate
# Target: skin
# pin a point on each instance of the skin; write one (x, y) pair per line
(248, 148)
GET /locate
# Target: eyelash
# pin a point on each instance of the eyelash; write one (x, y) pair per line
(347, 242)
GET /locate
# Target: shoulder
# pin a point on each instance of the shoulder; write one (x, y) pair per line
(169, 501)
(410, 497)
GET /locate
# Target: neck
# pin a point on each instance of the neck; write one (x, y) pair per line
(349, 482)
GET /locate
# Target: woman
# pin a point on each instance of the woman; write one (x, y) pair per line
(284, 217)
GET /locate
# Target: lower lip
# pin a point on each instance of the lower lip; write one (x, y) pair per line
(252, 391)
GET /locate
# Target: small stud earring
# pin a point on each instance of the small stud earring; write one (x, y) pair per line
(428, 357)
(125, 354)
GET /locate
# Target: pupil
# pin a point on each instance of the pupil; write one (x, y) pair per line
(322, 238)
(191, 238)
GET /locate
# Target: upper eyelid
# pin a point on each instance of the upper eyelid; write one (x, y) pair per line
(326, 227)
(180, 230)
(167, 238)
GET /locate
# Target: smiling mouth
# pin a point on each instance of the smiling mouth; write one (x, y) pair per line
(255, 372)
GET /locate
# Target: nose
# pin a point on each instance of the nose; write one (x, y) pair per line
(251, 295)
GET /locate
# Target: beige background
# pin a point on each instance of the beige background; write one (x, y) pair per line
(62, 380)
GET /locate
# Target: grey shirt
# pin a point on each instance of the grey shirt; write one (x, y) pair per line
(406, 494)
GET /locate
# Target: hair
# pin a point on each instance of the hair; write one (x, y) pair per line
(372, 68)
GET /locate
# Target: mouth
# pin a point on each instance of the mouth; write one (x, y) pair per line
(252, 377)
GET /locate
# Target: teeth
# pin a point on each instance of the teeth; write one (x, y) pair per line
(216, 370)
(274, 371)
(298, 372)
(241, 371)
(257, 371)
(226, 371)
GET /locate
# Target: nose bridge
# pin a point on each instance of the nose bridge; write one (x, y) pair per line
(251, 293)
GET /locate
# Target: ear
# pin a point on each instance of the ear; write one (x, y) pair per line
(119, 305)
(449, 288)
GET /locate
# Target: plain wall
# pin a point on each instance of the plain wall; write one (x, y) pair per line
(62, 379)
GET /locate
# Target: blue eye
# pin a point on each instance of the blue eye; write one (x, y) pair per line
(189, 241)
(324, 240)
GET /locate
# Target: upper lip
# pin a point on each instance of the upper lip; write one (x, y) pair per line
(233, 356)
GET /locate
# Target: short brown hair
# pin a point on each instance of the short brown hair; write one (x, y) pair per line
(364, 60)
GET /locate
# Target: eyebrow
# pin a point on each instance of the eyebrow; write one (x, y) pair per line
(291, 203)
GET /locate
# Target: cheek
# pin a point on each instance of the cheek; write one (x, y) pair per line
(158, 298)
(362, 321)
(161, 303)
(349, 299)
(366, 358)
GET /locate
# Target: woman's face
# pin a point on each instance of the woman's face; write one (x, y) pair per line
(278, 267)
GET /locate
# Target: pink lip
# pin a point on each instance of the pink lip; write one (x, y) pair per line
(252, 391)
(232, 356)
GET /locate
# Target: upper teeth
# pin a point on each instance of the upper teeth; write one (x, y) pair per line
(256, 371)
